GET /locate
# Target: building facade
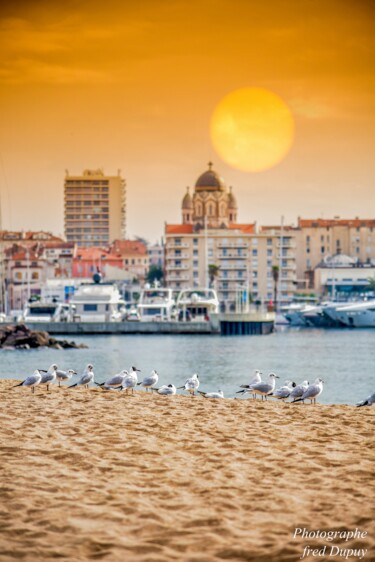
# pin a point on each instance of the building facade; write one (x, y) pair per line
(318, 238)
(94, 208)
(210, 248)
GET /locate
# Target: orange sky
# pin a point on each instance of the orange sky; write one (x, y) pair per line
(132, 85)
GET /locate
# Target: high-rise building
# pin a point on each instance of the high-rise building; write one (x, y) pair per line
(95, 208)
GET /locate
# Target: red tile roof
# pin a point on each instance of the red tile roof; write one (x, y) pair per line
(245, 228)
(96, 254)
(178, 228)
(319, 223)
(129, 248)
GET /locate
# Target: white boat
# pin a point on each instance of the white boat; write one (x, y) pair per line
(197, 304)
(97, 302)
(156, 304)
(355, 315)
(45, 312)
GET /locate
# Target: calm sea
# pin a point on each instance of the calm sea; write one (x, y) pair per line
(345, 359)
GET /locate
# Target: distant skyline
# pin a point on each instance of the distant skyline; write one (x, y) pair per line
(133, 86)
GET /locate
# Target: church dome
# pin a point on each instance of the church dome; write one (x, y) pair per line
(209, 181)
(187, 202)
(232, 202)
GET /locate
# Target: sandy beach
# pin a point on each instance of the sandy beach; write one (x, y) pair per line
(94, 475)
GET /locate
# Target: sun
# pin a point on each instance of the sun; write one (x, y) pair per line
(252, 129)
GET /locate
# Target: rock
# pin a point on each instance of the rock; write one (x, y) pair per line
(20, 337)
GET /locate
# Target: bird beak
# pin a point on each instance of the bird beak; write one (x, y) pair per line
(42, 371)
(277, 377)
(74, 372)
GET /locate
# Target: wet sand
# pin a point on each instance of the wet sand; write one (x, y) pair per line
(93, 475)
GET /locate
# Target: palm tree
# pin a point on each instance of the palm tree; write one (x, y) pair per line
(213, 272)
(275, 277)
(370, 284)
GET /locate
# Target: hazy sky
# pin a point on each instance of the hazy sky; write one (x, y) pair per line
(132, 85)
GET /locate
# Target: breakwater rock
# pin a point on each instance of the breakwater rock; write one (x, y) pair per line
(19, 336)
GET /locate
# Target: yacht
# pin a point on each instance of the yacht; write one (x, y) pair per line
(197, 304)
(37, 311)
(97, 302)
(354, 315)
(156, 304)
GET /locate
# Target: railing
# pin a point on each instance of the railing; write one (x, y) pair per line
(182, 256)
(182, 266)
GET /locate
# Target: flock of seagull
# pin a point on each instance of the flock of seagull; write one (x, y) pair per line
(128, 380)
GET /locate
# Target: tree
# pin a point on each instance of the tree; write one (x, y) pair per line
(370, 284)
(275, 277)
(213, 272)
(155, 273)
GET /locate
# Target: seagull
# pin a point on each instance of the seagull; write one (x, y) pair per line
(115, 381)
(86, 378)
(312, 392)
(255, 380)
(283, 392)
(218, 394)
(165, 390)
(299, 390)
(191, 385)
(49, 376)
(369, 401)
(264, 388)
(64, 375)
(149, 382)
(32, 381)
(131, 379)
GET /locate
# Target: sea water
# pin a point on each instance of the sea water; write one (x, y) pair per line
(344, 359)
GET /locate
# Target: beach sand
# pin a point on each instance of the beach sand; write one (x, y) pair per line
(94, 475)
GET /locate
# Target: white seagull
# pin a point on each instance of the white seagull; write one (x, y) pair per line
(312, 392)
(264, 388)
(165, 390)
(64, 375)
(284, 391)
(218, 394)
(299, 390)
(149, 382)
(115, 381)
(191, 385)
(32, 381)
(86, 377)
(49, 376)
(131, 380)
(369, 401)
(257, 378)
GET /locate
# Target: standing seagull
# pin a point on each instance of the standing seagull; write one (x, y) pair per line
(49, 376)
(191, 384)
(131, 379)
(264, 388)
(149, 382)
(218, 394)
(312, 392)
(299, 390)
(165, 390)
(64, 375)
(369, 401)
(31, 381)
(257, 378)
(284, 392)
(86, 378)
(114, 381)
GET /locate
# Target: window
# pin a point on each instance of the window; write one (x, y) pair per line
(307, 239)
(177, 241)
(269, 241)
(90, 307)
(35, 275)
(254, 252)
(195, 273)
(322, 250)
(255, 274)
(255, 241)
(269, 252)
(195, 252)
(195, 241)
(195, 263)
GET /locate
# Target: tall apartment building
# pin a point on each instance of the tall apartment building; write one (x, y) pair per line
(95, 208)
(319, 238)
(210, 236)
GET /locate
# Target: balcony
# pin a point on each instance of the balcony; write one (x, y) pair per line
(170, 244)
(174, 277)
(286, 244)
(231, 244)
(183, 256)
(171, 267)
(241, 266)
(221, 255)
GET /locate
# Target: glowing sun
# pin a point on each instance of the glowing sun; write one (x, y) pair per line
(252, 129)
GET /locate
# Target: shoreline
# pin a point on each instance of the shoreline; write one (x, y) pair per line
(101, 475)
